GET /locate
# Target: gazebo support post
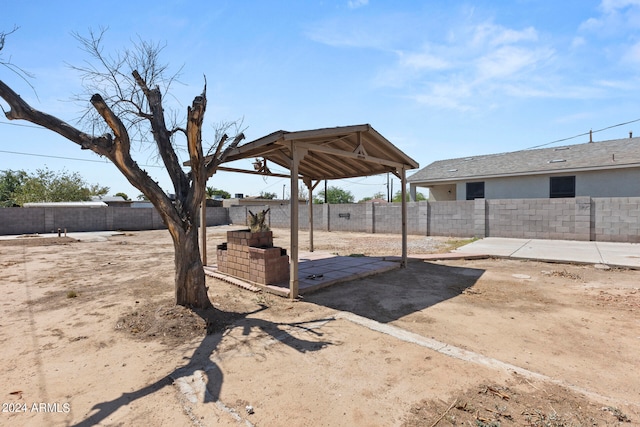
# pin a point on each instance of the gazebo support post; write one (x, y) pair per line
(296, 156)
(403, 191)
(307, 182)
(311, 186)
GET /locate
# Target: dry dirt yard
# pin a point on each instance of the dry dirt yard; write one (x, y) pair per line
(90, 336)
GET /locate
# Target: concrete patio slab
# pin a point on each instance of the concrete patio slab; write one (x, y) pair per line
(317, 270)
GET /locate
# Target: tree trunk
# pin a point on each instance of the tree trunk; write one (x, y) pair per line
(191, 290)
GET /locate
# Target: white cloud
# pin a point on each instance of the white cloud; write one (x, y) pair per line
(451, 95)
(356, 31)
(507, 61)
(422, 61)
(613, 33)
(609, 6)
(577, 42)
(622, 85)
(496, 35)
(574, 118)
(617, 17)
(632, 55)
(474, 65)
(354, 4)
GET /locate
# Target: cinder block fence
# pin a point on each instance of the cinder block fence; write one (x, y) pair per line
(581, 218)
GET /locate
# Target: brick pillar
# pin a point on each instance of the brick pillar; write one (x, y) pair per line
(582, 225)
(479, 218)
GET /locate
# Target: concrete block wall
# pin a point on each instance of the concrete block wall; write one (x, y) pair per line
(75, 219)
(533, 219)
(479, 218)
(319, 217)
(451, 218)
(238, 215)
(616, 219)
(581, 218)
(348, 217)
(417, 217)
(215, 216)
(332, 217)
(48, 220)
(387, 217)
(21, 221)
(277, 217)
(137, 219)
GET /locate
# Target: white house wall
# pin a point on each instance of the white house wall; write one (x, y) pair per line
(610, 183)
(445, 192)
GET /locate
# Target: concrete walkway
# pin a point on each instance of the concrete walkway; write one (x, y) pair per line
(566, 251)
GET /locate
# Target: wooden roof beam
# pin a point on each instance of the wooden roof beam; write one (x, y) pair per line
(252, 172)
(348, 154)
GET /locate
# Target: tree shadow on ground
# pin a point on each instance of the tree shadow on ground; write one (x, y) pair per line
(217, 323)
(389, 296)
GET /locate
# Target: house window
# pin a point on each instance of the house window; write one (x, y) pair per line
(475, 190)
(562, 186)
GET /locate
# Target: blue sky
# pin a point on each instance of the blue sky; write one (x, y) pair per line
(438, 79)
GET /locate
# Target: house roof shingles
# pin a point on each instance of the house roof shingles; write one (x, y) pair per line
(617, 153)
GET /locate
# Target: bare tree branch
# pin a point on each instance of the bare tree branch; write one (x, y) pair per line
(20, 110)
(23, 74)
(216, 161)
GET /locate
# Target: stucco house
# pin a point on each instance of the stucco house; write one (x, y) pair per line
(595, 169)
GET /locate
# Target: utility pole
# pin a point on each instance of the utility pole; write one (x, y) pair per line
(325, 191)
(388, 198)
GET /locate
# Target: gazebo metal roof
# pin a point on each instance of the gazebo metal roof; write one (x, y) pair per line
(323, 154)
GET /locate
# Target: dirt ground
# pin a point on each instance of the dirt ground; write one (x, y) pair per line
(90, 336)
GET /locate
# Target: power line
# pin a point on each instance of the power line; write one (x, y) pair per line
(347, 180)
(582, 134)
(68, 158)
(21, 125)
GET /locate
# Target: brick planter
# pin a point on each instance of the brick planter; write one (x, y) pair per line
(252, 256)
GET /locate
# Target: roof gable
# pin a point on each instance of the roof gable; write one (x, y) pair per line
(331, 153)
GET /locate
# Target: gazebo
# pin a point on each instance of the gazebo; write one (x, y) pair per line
(317, 155)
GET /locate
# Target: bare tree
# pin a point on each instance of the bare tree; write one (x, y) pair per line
(132, 107)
